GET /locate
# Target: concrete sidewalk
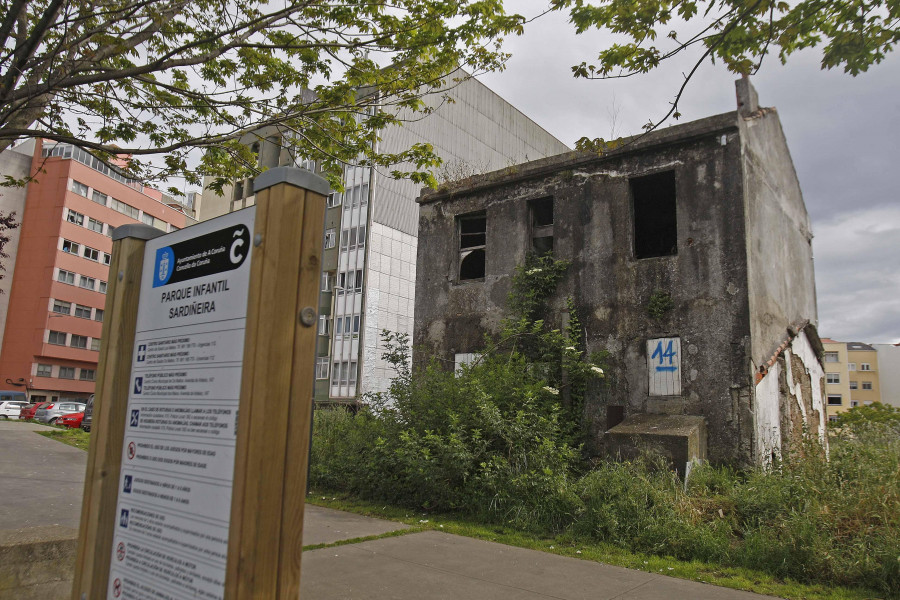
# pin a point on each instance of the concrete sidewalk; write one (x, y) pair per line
(437, 565)
(42, 479)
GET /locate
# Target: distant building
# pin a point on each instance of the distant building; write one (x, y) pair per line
(59, 276)
(889, 373)
(709, 213)
(851, 375)
(369, 258)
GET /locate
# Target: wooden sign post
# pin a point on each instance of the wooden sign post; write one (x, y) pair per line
(196, 476)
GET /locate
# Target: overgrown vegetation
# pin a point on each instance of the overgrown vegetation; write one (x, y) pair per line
(500, 442)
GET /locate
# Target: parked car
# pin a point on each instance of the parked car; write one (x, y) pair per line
(88, 415)
(29, 411)
(72, 421)
(54, 410)
(11, 408)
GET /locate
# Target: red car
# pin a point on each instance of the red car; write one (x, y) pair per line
(72, 421)
(28, 411)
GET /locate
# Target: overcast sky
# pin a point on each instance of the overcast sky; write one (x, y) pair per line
(843, 133)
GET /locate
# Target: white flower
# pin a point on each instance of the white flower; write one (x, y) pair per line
(597, 370)
(423, 520)
(553, 391)
(570, 347)
(533, 271)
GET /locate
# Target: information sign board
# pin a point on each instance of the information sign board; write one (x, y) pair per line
(174, 497)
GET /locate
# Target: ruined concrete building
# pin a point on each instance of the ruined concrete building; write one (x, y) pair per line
(707, 216)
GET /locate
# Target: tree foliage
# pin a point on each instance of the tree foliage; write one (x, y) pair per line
(853, 35)
(7, 224)
(140, 77)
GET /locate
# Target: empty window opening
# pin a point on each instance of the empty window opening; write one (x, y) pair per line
(472, 239)
(542, 225)
(655, 231)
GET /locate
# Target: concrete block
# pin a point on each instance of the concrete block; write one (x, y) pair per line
(38, 562)
(679, 438)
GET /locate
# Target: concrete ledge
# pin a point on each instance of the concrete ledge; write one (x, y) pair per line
(37, 563)
(679, 438)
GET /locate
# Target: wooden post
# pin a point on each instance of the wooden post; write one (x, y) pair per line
(101, 482)
(272, 454)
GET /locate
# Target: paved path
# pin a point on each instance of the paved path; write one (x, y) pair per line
(41, 482)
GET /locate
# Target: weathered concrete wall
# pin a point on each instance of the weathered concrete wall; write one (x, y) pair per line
(593, 228)
(37, 563)
(14, 162)
(781, 282)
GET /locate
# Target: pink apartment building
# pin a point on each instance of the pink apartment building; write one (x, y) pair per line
(59, 280)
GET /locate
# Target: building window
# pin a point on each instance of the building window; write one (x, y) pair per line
(44, 370)
(865, 367)
(87, 375)
(125, 209)
(66, 373)
(353, 233)
(75, 217)
(79, 188)
(107, 258)
(322, 367)
(832, 378)
(336, 373)
(324, 325)
(345, 239)
(95, 344)
(327, 281)
(832, 418)
(57, 338)
(86, 282)
(66, 277)
(835, 400)
(109, 230)
(472, 243)
(339, 326)
(70, 247)
(99, 198)
(867, 385)
(542, 225)
(333, 200)
(359, 281)
(831, 357)
(341, 283)
(361, 242)
(854, 385)
(91, 253)
(854, 403)
(851, 366)
(95, 225)
(82, 312)
(356, 325)
(330, 238)
(98, 314)
(654, 214)
(351, 373)
(63, 308)
(78, 341)
(102, 288)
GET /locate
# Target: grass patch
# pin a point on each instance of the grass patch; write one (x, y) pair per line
(739, 578)
(73, 437)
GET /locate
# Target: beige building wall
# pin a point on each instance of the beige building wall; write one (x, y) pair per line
(837, 379)
(863, 369)
(889, 373)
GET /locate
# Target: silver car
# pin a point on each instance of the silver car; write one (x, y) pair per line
(54, 410)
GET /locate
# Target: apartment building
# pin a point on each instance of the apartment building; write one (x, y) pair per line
(370, 245)
(851, 376)
(52, 331)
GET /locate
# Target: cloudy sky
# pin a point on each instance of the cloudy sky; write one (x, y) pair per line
(843, 132)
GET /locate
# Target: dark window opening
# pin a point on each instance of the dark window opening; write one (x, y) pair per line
(542, 225)
(614, 416)
(472, 241)
(655, 231)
